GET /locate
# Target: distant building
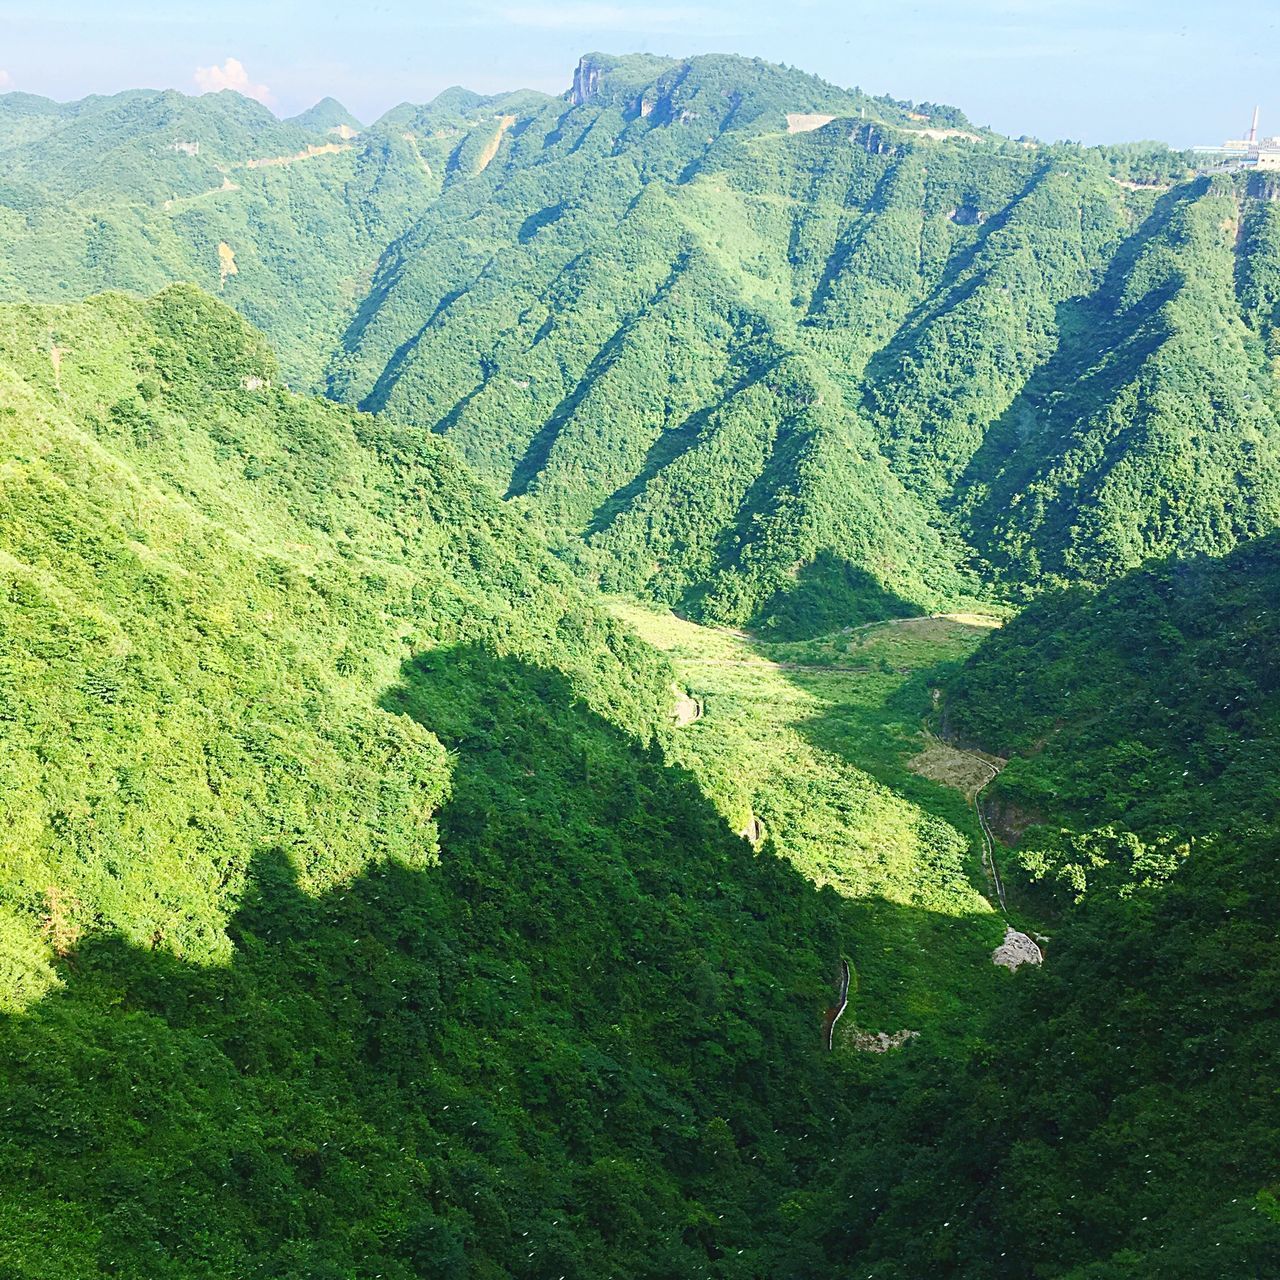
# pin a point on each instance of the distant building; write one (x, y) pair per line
(187, 148)
(1252, 152)
(1266, 155)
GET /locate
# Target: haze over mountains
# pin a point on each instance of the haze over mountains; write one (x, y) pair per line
(367, 911)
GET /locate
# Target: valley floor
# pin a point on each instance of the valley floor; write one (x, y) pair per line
(820, 747)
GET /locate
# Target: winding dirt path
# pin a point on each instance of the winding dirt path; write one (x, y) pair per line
(988, 840)
(1018, 947)
(972, 773)
(842, 1003)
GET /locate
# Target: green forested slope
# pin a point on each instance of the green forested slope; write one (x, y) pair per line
(866, 368)
(639, 336)
(209, 582)
(1117, 1119)
(1118, 1116)
(350, 922)
(1153, 430)
(734, 361)
(95, 196)
(1143, 720)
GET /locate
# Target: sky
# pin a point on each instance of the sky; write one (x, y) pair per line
(1182, 71)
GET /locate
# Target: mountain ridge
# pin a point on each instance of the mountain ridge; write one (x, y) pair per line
(372, 901)
(899, 300)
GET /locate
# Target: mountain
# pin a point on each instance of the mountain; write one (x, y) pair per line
(300, 277)
(1140, 719)
(328, 116)
(777, 353)
(371, 900)
(603, 324)
(141, 189)
(774, 352)
(128, 147)
(351, 918)
(1152, 430)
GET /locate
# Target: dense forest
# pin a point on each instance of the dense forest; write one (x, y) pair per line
(776, 353)
(1135, 1072)
(1143, 719)
(392, 885)
(352, 921)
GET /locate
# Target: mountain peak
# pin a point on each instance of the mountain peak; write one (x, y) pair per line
(328, 116)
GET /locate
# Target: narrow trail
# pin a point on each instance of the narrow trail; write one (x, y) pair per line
(1018, 947)
(991, 769)
(842, 1003)
(988, 840)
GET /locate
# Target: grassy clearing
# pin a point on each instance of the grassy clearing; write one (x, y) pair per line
(819, 740)
(962, 770)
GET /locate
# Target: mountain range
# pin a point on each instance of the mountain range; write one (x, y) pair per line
(760, 348)
(376, 901)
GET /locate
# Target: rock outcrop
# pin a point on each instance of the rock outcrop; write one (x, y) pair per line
(1016, 949)
(586, 82)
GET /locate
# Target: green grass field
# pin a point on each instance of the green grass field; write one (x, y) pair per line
(816, 740)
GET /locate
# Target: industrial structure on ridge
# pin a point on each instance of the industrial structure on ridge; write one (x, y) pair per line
(1251, 152)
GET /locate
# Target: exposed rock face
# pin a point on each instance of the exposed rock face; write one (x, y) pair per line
(1016, 949)
(586, 82)
(880, 1041)
(806, 121)
(687, 708)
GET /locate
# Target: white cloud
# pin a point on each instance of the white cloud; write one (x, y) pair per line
(6, 81)
(231, 75)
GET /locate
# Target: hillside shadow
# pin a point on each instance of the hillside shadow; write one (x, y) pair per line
(672, 443)
(860, 718)
(519, 1056)
(1098, 352)
(954, 286)
(845, 727)
(827, 593)
(537, 452)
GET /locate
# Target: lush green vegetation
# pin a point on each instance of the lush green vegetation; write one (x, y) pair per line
(821, 745)
(352, 922)
(1117, 1119)
(787, 380)
(208, 581)
(363, 912)
(1153, 430)
(1141, 719)
(96, 195)
(1118, 1116)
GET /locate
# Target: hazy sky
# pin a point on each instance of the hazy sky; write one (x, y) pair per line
(1185, 71)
